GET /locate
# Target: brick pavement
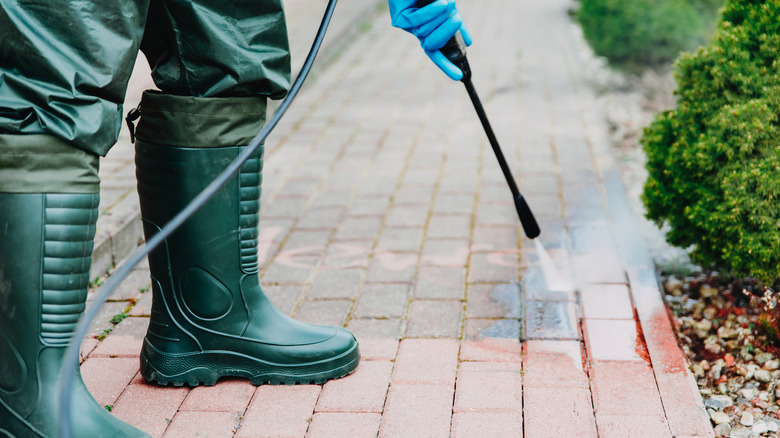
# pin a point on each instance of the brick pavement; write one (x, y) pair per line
(384, 211)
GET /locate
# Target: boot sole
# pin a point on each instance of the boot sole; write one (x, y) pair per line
(207, 367)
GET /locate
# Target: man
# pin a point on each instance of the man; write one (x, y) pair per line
(64, 68)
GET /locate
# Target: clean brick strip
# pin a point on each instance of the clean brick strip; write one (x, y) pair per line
(625, 388)
(487, 424)
(417, 410)
(279, 411)
(426, 361)
(558, 412)
(364, 391)
(232, 395)
(352, 425)
(203, 424)
(488, 391)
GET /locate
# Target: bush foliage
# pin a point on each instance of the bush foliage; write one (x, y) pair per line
(639, 33)
(714, 161)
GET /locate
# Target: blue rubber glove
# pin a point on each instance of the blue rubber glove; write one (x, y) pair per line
(433, 25)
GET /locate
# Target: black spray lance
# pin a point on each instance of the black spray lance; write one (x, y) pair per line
(455, 51)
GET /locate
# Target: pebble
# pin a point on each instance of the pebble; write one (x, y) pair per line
(763, 376)
(747, 419)
(741, 432)
(723, 429)
(773, 425)
(719, 417)
(674, 286)
(748, 393)
(708, 291)
(702, 328)
(723, 400)
(727, 333)
(763, 358)
(760, 427)
(772, 364)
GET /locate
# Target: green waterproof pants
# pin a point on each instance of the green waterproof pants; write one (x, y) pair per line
(65, 65)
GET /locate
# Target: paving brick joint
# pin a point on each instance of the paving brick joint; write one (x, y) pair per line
(385, 212)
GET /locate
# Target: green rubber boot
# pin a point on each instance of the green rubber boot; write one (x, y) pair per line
(45, 253)
(210, 317)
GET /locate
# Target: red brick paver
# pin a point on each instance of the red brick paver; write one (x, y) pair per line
(385, 212)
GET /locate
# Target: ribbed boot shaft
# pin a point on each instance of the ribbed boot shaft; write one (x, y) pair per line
(249, 182)
(68, 233)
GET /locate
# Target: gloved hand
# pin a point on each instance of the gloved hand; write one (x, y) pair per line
(433, 25)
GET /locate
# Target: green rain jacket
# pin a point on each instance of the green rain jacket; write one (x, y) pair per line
(65, 65)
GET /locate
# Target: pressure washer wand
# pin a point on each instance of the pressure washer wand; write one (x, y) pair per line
(527, 219)
(455, 51)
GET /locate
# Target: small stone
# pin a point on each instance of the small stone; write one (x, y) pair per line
(723, 400)
(719, 417)
(674, 286)
(714, 404)
(760, 427)
(740, 432)
(712, 344)
(748, 393)
(763, 358)
(763, 376)
(727, 333)
(717, 369)
(746, 419)
(773, 425)
(723, 429)
(702, 328)
(760, 404)
(707, 291)
(772, 364)
(697, 370)
(752, 368)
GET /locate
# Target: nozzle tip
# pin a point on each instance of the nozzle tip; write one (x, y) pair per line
(527, 219)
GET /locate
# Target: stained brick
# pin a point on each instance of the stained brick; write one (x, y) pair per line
(434, 318)
(106, 378)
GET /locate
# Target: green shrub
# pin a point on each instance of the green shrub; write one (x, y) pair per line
(714, 161)
(639, 33)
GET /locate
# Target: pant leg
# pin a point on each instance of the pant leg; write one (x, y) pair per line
(218, 48)
(64, 67)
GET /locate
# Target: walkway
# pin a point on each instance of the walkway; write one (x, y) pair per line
(384, 211)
